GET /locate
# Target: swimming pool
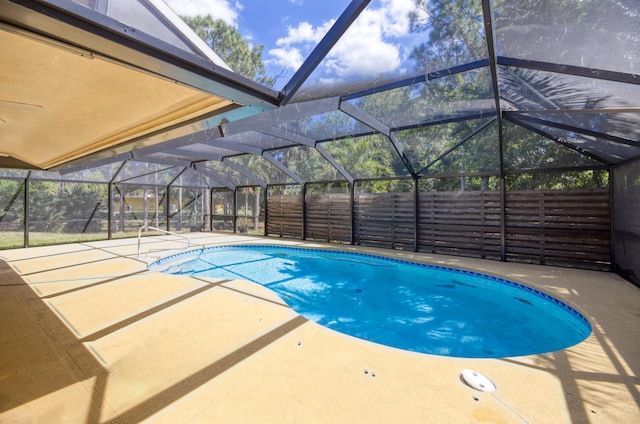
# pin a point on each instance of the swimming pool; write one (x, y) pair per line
(406, 305)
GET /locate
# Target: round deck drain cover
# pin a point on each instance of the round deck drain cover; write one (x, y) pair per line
(477, 381)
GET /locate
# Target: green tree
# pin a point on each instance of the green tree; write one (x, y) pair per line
(234, 49)
(455, 33)
(45, 211)
(365, 157)
(11, 200)
(308, 163)
(83, 206)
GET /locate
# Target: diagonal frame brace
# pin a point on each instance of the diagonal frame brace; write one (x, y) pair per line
(368, 120)
(283, 168)
(245, 172)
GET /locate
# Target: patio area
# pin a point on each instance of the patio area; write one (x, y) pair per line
(89, 335)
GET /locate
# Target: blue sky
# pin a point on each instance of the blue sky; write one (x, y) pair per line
(377, 43)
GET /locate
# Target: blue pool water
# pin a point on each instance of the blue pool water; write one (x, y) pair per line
(422, 308)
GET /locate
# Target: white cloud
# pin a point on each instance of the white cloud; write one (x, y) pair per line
(296, 46)
(363, 50)
(304, 33)
(395, 21)
(219, 9)
(285, 58)
(369, 47)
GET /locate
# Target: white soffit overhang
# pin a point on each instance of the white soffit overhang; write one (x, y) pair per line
(62, 101)
(57, 105)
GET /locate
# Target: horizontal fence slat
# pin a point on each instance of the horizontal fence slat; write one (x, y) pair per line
(569, 228)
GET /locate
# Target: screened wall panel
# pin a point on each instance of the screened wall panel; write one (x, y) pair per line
(189, 209)
(12, 213)
(65, 212)
(250, 210)
(223, 214)
(627, 220)
(136, 206)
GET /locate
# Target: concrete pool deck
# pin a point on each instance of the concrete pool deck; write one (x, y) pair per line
(89, 335)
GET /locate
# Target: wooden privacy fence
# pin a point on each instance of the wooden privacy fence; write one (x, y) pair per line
(385, 220)
(565, 228)
(284, 215)
(328, 217)
(460, 223)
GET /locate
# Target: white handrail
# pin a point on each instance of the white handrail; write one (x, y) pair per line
(148, 227)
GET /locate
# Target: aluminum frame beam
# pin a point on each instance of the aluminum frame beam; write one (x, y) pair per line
(225, 183)
(578, 71)
(612, 110)
(571, 146)
(418, 79)
(71, 168)
(460, 143)
(341, 25)
(288, 113)
(225, 143)
(289, 136)
(490, 34)
(187, 157)
(368, 120)
(585, 131)
(161, 161)
(145, 174)
(335, 164)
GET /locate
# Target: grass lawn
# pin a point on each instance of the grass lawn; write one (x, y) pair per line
(15, 239)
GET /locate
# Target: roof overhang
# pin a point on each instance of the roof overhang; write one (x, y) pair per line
(79, 85)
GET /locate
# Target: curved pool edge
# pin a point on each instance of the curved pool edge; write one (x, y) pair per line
(419, 259)
(555, 298)
(484, 269)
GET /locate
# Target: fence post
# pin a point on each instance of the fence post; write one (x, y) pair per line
(503, 196)
(266, 210)
(304, 211)
(353, 212)
(235, 210)
(416, 214)
(167, 209)
(26, 209)
(109, 211)
(211, 209)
